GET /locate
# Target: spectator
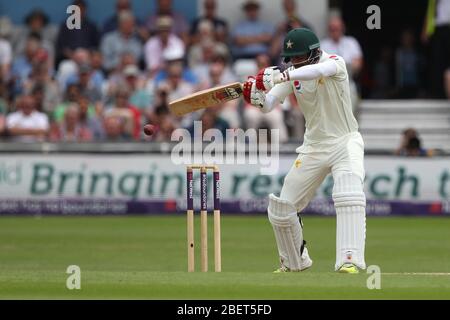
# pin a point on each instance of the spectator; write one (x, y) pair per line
(255, 119)
(37, 23)
(202, 52)
(220, 26)
(345, 46)
(115, 43)
(89, 119)
(436, 31)
(349, 49)
(71, 130)
(177, 87)
(179, 27)
(127, 112)
(116, 78)
(68, 69)
(411, 145)
(86, 37)
(97, 67)
(292, 21)
(383, 78)
(23, 64)
(27, 124)
(251, 36)
(115, 129)
(87, 86)
(71, 95)
(139, 97)
(161, 116)
(6, 55)
(112, 22)
(211, 120)
(175, 57)
(220, 74)
(407, 63)
(164, 40)
(44, 89)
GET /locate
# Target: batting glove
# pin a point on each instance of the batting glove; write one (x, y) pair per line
(251, 94)
(267, 78)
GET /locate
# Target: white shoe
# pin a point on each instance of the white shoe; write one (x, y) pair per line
(305, 263)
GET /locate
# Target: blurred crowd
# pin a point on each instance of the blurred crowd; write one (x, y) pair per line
(104, 82)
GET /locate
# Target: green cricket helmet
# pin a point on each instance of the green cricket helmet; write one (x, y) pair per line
(299, 42)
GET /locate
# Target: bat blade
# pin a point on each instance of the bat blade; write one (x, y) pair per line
(206, 98)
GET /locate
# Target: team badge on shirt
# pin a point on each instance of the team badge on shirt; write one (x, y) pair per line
(297, 85)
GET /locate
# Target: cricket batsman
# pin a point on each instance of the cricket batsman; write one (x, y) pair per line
(332, 143)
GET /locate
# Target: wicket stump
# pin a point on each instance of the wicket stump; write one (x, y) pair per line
(203, 218)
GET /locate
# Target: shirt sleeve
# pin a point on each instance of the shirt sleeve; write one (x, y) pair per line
(314, 71)
(281, 91)
(341, 73)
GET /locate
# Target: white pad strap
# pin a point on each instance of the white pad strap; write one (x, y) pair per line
(288, 231)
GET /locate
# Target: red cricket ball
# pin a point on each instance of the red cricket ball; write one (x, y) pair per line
(149, 129)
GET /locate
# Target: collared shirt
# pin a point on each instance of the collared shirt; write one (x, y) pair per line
(248, 29)
(347, 47)
(114, 44)
(154, 50)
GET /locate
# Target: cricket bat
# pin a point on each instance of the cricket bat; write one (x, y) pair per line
(206, 98)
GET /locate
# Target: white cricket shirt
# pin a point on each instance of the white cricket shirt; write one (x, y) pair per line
(325, 103)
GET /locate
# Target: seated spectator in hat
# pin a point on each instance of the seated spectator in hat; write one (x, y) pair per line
(163, 41)
(125, 39)
(115, 129)
(220, 26)
(87, 37)
(6, 53)
(140, 97)
(251, 36)
(116, 78)
(87, 86)
(71, 130)
(27, 124)
(179, 27)
(129, 113)
(175, 57)
(36, 22)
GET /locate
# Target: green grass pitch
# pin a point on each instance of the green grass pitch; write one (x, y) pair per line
(146, 258)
